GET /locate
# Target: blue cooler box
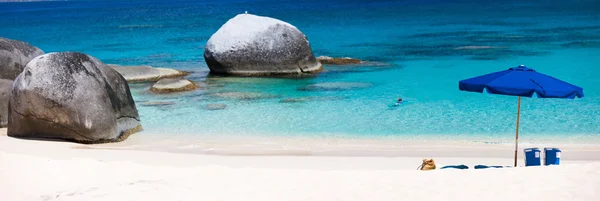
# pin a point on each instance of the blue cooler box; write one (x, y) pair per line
(532, 157)
(551, 156)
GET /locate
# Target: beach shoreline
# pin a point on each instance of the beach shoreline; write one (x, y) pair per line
(224, 145)
(55, 170)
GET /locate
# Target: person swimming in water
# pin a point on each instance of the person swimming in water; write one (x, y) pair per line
(399, 101)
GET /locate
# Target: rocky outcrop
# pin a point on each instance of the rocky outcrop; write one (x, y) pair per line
(14, 55)
(251, 45)
(338, 61)
(146, 73)
(169, 85)
(71, 96)
(5, 86)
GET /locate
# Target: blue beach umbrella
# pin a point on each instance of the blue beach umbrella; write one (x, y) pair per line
(521, 81)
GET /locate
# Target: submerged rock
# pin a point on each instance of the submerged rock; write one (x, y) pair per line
(243, 95)
(158, 103)
(338, 61)
(255, 45)
(475, 47)
(5, 86)
(169, 85)
(335, 86)
(14, 55)
(71, 96)
(295, 100)
(310, 98)
(215, 106)
(146, 73)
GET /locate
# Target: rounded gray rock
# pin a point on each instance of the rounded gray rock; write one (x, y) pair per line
(251, 45)
(169, 85)
(14, 55)
(71, 96)
(5, 86)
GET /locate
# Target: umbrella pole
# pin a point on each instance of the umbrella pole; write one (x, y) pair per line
(517, 135)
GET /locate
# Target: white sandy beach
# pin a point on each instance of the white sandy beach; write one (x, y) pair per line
(48, 170)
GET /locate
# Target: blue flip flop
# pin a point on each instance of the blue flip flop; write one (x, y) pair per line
(462, 167)
(485, 166)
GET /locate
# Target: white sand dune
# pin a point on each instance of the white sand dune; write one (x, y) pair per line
(43, 170)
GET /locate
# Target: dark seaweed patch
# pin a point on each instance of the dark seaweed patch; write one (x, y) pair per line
(140, 26)
(110, 45)
(378, 45)
(160, 56)
(311, 98)
(335, 86)
(508, 39)
(183, 40)
(452, 34)
(484, 58)
(426, 51)
(562, 30)
(582, 44)
(486, 23)
(436, 50)
(363, 69)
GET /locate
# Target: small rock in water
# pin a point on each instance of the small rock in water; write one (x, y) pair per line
(335, 86)
(338, 61)
(215, 106)
(146, 73)
(169, 85)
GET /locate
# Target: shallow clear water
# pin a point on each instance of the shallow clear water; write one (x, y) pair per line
(412, 47)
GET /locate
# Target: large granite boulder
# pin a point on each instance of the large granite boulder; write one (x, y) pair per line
(146, 73)
(251, 45)
(14, 55)
(71, 96)
(5, 86)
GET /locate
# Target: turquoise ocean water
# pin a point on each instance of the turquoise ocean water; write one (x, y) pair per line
(413, 48)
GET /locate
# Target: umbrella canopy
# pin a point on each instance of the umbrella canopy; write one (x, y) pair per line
(521, 81)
